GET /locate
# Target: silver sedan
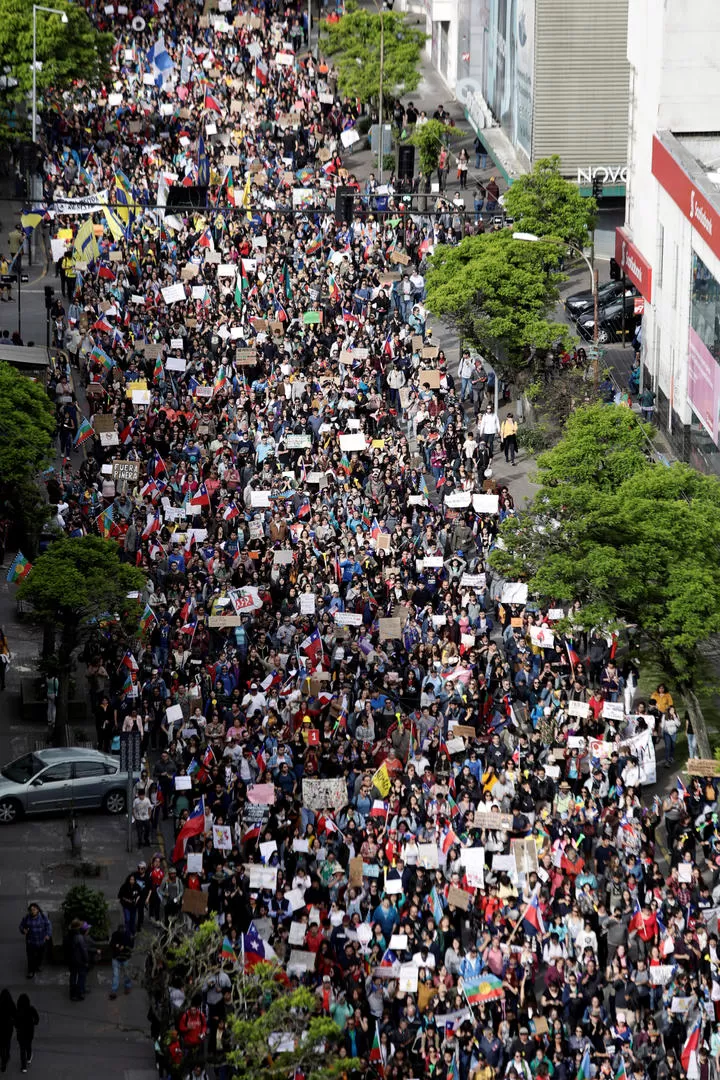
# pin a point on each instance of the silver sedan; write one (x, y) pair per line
(47, 781)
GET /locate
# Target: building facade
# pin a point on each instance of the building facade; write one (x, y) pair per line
(547, 76)
(670, 243)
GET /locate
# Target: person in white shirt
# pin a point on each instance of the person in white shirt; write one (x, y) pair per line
(489, 427)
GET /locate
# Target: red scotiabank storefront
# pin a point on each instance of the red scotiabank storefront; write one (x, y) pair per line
(633, 264)
(693, 203)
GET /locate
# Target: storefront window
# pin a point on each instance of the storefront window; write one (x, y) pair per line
(704, 368)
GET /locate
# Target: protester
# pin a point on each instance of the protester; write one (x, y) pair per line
(7, 1026)
(37, 930)
(26, 1020)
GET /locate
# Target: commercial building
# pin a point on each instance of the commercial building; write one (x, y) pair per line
(539, 77)
(670, 243)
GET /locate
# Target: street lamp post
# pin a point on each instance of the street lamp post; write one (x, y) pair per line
(380, 11)
(533, 239)
(63, 18)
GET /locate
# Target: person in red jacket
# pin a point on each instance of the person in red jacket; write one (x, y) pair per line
(193, 1025)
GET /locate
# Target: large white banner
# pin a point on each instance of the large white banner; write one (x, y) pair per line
(90, 204)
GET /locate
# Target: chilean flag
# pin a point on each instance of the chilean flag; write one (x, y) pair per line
(194, 826)
(532, 919)
(201, 497)
(312, 647)
(152, 526)
(689, 1051)
(212, 103)
(231, 511)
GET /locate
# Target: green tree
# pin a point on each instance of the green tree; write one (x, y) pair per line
(545, 203)
(272, 1031)
(66, 51)
(27, 426)
(636, 542)
(429, 139)
(71, 584)
(354, 44)
(499, 294)
(601, 446)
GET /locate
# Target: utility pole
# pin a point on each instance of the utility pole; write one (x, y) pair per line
(381, 140)
(596, 361)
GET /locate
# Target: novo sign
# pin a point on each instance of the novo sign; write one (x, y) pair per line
(695, 204)
(633, 264)
(609, 174)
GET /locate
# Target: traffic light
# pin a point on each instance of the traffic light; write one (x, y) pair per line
(344, 205)
(49, 293)
(597, 187)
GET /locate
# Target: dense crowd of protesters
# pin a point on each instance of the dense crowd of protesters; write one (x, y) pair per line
(384, 769)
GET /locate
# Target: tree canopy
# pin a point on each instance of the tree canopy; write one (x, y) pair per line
(429, 139)
(635, 541)
(27, 426)
(79, 579)
(273, 1032)
(499, 294)
(66, 51)
(545, 203)
(354, 44)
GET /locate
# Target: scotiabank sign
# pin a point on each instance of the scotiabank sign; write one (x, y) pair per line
(633, 264)
(694, 203)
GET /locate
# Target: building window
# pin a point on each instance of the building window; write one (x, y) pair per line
(661, 255)
(703, 389)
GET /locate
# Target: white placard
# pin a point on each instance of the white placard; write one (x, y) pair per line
(194, 862)
(542, 637)
(222, 837)
(458, 499)
(174, 713)
(183, 783)
(485, 504)
(176, 363)
(514, 592)
(353, 441)
(262, 877)
(473, 581)
(393, 887)
(685, 872)
(427, 856)
(141, 397)
(473, 859)
(433, 562)
(398, 941)
(349, 137)
(259, 499)
(109, 438)
(227, 270)
(307, 604)
(408, 979)
(198, 292)
(556, 613)
(576, 742)
(283, 59)
(176, 343)
(267, 848)
(297, 933)
(348, 618)
(578, 708)
(172, 294)
(613, 710)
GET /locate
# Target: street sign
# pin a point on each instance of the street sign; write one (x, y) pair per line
(130, 751)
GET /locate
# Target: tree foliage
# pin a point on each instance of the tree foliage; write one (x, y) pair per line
(67, 51)
(27, 426)
(499, 293)
(429, 139)
(78, 579)
(545, 203)
(636, 542)
(273, 1031)
(354, 44)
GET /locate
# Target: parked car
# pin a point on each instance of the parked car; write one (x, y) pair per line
(610, 322)
(48, 781)
(582, 303)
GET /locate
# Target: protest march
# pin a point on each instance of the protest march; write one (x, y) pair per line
(386, 772)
